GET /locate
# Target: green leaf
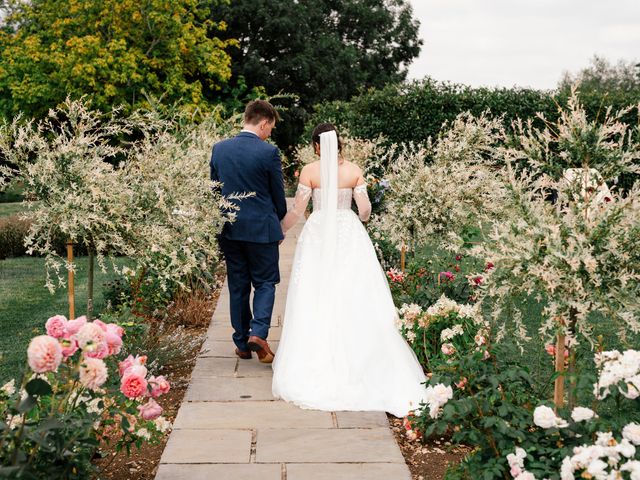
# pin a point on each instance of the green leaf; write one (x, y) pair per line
(38, 387)
(27, 404)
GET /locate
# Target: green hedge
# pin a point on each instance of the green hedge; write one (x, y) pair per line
(412, 112)
(14, 229)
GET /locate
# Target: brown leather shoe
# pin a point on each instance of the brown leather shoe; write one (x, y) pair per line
(261, 347)
(243, 355)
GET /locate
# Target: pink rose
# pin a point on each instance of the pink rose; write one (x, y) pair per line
(461, 384)
(114, 341)
(100, 350)
(447, 276)
(101, 324)
(448, 349)
(44, 354)
(159, 386)
(131, 361)
(74, 326)
(69, 346)
(90, 337)
(478, 281)
(56, 326)
(489, 266)
(133, 385)
(115, 329)
(550, 348)
(150, 410)
(93, 373)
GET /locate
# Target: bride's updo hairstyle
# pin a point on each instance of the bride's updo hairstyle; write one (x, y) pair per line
(322, 128)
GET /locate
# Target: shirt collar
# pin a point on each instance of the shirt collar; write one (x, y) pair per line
(248, 131)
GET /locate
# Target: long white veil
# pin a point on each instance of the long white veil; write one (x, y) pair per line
(329, 194)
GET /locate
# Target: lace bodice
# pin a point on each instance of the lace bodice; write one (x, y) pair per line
(345, 195)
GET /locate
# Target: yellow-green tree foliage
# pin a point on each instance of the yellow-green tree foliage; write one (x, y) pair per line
(115, 51)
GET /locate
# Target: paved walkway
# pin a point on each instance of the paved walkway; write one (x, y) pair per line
(230, 427)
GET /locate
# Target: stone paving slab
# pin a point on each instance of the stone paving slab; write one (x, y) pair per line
(318, 445)
(229, 389)
(362, 419)
(220, 471)
(347, 471)
(230, 427)
(214, 367)
(224, 332)
(223, 348)
(208, 446)
(249, 415)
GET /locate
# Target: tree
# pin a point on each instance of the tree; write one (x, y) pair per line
(319, 49)
(114, 50)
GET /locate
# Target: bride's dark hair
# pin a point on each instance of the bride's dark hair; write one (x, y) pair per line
(322, 128)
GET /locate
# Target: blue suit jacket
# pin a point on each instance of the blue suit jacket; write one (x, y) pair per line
(247, 164)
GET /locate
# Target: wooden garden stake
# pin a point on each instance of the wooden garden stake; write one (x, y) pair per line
(72, 310)
(558, 390)
(403, 252)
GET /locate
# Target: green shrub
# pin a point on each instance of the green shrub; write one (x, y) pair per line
(13, 230)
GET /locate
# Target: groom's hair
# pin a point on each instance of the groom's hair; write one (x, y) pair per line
(322, 128)
(258, 110)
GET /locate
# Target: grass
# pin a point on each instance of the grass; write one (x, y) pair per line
(27, 304)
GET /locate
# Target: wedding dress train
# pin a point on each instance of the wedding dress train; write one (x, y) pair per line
(340, 348)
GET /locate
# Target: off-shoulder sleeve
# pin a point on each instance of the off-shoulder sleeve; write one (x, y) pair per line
(362, 201)
(300, 201)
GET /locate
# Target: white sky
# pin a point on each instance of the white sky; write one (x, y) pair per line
(528, 43)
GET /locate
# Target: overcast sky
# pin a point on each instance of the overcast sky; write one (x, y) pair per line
(517, 42)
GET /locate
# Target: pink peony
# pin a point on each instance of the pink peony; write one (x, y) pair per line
(73, 326)
(44, 354)
(90, 337)
(159, 386)
(69, 346)
(132, 384)
(129, 362)
(56, 326)
(150, 410)
(93, 373)
(448, 349)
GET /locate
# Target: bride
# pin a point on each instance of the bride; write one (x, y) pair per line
(340, 349)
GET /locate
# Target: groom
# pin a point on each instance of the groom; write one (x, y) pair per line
(246, 163)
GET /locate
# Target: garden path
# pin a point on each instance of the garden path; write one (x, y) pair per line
(229, 425)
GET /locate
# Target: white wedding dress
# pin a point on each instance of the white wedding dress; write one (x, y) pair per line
(340, 348)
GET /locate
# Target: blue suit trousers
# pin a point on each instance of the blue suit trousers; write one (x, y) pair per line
(251, 264)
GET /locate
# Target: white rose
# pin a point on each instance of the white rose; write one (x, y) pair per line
(580, 414)
(633, 467)
(625, 448)
(632, 433)
(10, 387)
(546, 418)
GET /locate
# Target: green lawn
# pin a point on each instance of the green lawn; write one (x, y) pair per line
(26, 305)
(12, 208)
